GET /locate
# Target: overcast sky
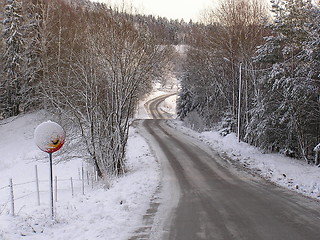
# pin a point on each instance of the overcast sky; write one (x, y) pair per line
(175, 9)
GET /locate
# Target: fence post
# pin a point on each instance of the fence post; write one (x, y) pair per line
(88, 178)
(71, 186)
(82, 180)
(11, 197)
(92, 181)
(37, 185)
(56, 188)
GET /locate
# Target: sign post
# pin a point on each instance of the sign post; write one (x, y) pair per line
(49, 137)
(51, 185)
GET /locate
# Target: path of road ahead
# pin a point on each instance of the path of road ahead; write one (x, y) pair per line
(219, 200)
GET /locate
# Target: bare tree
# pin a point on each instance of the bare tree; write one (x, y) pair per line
(231, 33)
(98, 85)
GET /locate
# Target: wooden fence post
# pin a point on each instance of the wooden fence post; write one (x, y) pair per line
(88, 181)
(316, 158)
(92, 181)
(72, 193)
(37, 185)
(11, 196)
(82, 180)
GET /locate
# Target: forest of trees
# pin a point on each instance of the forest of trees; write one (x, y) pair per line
(83, 60)
(91, 63)
(275, 56)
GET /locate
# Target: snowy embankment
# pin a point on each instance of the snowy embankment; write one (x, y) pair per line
(284, 171)
(169, 106)
(101, 213)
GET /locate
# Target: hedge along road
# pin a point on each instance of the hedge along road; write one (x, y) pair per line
(211, 197)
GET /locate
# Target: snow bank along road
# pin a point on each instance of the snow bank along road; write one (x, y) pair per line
(152, 107)
(216, 198)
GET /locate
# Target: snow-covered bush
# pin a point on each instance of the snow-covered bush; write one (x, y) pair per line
(195, 121)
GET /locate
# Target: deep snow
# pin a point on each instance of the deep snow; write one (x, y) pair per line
(101, 213)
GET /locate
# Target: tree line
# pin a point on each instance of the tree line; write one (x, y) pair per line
(83, 60)
(275, 56)
(91, 63)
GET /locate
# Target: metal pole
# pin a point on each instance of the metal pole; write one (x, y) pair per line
(239, 106)
(56, 188)
(51, 186)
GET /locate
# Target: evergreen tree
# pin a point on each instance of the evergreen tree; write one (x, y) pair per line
(281, 116)
(33, 60)
(184, 103)
(10, 99)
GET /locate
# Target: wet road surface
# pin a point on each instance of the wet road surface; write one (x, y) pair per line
(217, 198)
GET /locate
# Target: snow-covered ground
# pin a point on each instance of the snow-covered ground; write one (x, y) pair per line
(101, 213)
(114, 212)
(284, 171)
(169, 106)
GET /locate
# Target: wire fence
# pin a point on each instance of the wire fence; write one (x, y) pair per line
(15, 196)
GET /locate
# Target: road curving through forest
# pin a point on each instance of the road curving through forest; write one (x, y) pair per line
(215, 198)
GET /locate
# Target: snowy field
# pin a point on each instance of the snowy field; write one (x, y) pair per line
(101, 213)
(284, 171)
